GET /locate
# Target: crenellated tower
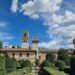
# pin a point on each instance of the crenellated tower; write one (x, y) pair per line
(35, 42)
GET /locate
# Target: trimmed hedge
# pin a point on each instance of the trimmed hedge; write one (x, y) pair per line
(46, 63)
(53, 71)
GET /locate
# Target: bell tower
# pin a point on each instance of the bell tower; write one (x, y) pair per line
(35, 42)
(25, 40)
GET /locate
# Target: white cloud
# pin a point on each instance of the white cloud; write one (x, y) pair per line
(3, 24)
(6, 36)
(61, 27)
(50, 44)
(6, 44)
(54, 19)
(36, 7)
(14, 6)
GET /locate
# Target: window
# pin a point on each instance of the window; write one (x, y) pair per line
(25, 34)
(27, 54)
(13, 54)
(20, 54)
(39, 57)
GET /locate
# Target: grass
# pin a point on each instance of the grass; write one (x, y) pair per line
(54, 71)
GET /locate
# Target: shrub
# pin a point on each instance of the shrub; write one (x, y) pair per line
(18, 65)
(60, 64)
(10, 64)
(72, 65)
(46, 63)
(67, 70)
(13, 46)
(26, 63)
(2, 62)
(37, 62)
(56, 63)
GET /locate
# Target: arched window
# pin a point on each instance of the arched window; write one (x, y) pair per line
(20, 54)
(27, 54)
(25, 35)
(39, 57)
(13, 54)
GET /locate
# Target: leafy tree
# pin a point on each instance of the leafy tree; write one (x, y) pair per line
(64, 55)
(18, 47)
(72, 65)
(13, 46)
(74, 42)
(46, 63)
(51, 57)
(61, 64)
(0, 44)
(2, 62)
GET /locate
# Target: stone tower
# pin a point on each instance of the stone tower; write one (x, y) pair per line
(25, 40)
(35, 41)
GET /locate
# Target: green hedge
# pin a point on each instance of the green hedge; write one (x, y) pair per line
(26, 63)
(46, 63)
(54, 71)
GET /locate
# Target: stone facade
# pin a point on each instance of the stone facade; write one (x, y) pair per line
(25, 40)
(20, 53)
(23, 55)
(25, 52)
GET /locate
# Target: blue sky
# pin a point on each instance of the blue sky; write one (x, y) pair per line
(52, 21)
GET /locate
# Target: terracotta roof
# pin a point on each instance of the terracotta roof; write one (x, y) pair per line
(17, 50)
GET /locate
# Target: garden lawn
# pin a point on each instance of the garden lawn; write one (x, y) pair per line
(54, 71)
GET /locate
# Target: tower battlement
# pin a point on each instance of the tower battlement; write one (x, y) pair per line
(35, 40)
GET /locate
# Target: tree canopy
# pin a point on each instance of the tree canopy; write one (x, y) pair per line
(51, 57)
(0, 44)
(63, 55)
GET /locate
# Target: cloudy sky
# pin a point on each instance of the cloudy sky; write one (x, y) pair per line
(53, 21)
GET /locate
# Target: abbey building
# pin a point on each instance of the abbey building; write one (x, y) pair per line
(27, 52)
